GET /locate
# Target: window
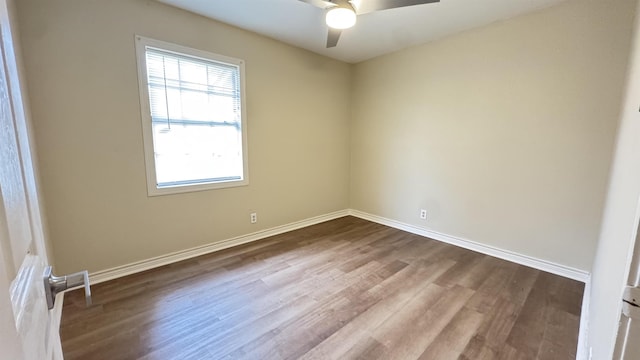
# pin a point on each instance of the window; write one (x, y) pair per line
(193, 118)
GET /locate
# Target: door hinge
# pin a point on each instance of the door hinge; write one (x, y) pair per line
(631, 302)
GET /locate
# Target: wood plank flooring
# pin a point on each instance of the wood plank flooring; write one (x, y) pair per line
(344, 289)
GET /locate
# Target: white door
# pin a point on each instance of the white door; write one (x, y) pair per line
(628, 342)
(28, 330)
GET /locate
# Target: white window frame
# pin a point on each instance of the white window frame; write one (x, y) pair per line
(142, 43)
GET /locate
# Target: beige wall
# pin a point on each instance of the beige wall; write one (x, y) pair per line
(81, 69)
(503, 134)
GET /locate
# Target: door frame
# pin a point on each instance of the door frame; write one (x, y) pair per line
(13, 68)
(633, 279)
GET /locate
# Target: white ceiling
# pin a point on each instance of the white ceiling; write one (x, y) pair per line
(302, 25)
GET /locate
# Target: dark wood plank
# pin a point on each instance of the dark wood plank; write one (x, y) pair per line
(453, 339)
(344, 289)
(412, 328)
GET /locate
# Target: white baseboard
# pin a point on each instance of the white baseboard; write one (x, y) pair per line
(562, 270)
(139, 266)
(584, 352)
(544, 265)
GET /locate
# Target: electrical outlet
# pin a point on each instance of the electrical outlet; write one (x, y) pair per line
(423, 214)
(253, 217)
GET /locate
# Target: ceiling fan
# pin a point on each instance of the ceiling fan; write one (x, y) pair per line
(341, 14)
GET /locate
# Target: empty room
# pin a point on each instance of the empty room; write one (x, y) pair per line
(319, 179)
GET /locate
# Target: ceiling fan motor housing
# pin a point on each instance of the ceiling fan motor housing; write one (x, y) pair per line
(341, 14)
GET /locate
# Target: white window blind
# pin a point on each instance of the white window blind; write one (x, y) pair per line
(196, 119)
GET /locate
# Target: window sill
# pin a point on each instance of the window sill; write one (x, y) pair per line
(180, 189)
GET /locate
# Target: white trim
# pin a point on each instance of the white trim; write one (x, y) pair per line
(54, 329)
(139, 266)
(141, 44)
(583, 351)
(544, 265)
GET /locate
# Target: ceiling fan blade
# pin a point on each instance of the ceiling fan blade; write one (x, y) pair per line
(367, 6)
(320, 3)
(332, 37)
